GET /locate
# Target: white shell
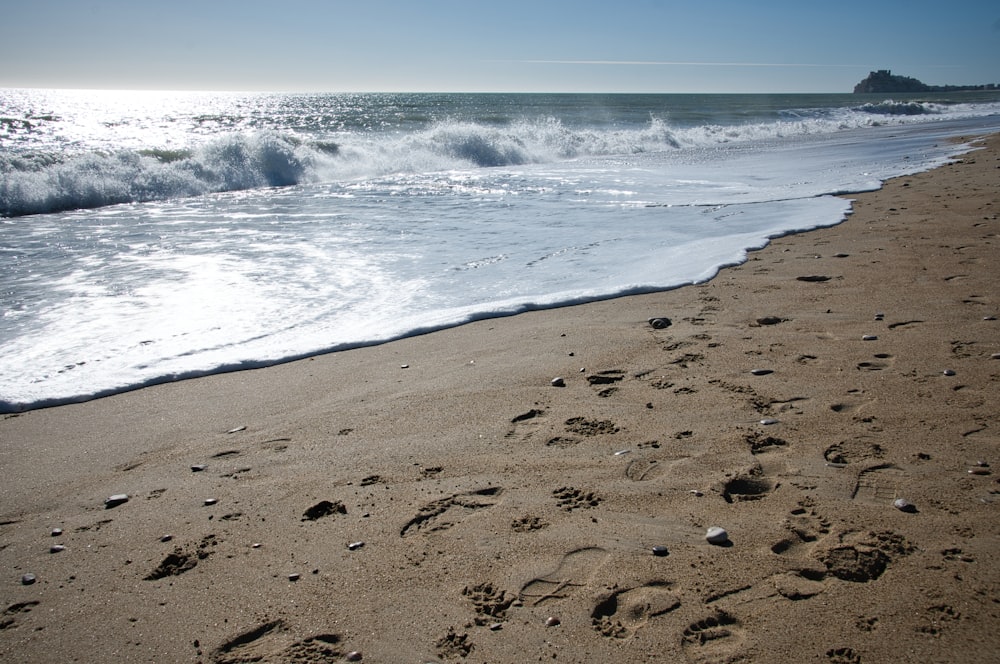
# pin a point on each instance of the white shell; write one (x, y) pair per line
(716, 535)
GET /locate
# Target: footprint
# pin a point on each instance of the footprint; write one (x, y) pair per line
(879, 483)
(526, 423)
(641, 469)
(182, 560)
(879, 362)
(805, 525)
(587, 427)
(937, 618)
(529, 523)
(717, 635)
(490, 603)
(446, 512)
(760, 442)
(843, 656)
(570, 498)
(574, 571)
(602, 378)
(621, 613)
(454, 644)
(269, 642)
(9, 617)
(746, 487)
(853, 450)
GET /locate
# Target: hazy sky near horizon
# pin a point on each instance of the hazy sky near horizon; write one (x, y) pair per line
(511, 45)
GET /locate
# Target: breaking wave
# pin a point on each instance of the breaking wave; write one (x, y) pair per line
(48, 181)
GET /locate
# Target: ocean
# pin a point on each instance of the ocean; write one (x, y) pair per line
(148, 237)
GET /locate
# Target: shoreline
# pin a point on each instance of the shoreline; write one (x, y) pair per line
(489, 501)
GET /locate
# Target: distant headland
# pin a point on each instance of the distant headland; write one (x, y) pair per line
(884, 80)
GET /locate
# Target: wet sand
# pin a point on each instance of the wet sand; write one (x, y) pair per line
(438, 499)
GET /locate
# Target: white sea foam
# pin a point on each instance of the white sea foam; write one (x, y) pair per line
(238, 250)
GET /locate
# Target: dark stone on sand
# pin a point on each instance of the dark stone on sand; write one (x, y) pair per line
(660, 322)
(660, 550)
(770, 320)
(27, 579)
(353, 656)
(56, 532)
(813, 278)
(56, 548)
(293, 577)
(324, 508)
(197, 468)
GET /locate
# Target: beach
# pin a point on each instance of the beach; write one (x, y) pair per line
(439, 498)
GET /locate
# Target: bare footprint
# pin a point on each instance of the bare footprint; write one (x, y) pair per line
(574, 571)
(718, 635)
(271, 642)
(621, 613)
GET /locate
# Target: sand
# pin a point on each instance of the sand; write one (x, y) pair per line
(437, 498)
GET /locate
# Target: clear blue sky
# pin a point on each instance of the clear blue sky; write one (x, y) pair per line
(500, 45)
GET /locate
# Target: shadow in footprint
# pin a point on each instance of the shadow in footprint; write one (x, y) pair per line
(621, 613)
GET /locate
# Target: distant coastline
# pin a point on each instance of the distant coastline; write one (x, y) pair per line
(884, 80)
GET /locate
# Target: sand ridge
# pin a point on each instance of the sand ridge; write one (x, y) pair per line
(438, 499)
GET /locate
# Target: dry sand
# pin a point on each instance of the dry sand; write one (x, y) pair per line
(490, 504)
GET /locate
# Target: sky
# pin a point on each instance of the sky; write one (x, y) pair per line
(494, 46)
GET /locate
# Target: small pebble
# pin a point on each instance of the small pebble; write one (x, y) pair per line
(768, 421)
(869, 337)
(660, 550)
(27, 579)
(761, 372)
(255, 545)
(404, 366)
(696, 492)
(166, 538)
(354, 546)
(211, 501)
(903, 505)
(552, 621)
(237, 429)
(989, 317)
(115, 500)
(56, 548)
(56, 532)
(979, 470)
(197, 468)
(558, 381)
(293, 576)
(659, 323)
(948, 372)
(622, 452)
(496, 627)
(995, 356)
(879, 316)
(353, 656)
(716, 535)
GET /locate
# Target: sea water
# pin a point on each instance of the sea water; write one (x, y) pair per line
(153, 236)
